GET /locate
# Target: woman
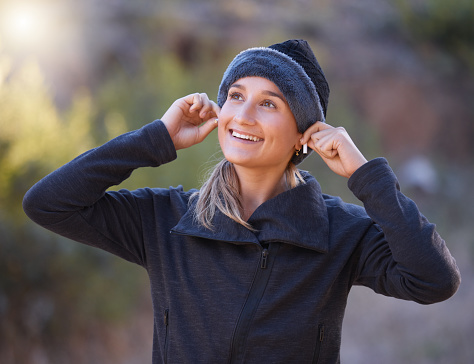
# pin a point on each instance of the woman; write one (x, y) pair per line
(256, 266)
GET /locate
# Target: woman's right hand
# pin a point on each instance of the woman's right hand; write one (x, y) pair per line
(191, 119)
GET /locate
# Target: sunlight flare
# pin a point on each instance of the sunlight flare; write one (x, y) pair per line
(25, 24)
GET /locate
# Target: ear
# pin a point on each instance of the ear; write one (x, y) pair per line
(298, 144)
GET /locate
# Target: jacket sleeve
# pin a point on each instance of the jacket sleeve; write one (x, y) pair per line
(72, 201)
(401, 255)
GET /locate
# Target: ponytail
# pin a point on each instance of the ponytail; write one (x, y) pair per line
(221, 190)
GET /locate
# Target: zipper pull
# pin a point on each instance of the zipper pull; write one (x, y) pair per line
(263, 264)
(321, 333)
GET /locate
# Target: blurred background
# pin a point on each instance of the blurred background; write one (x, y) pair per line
(74, 74)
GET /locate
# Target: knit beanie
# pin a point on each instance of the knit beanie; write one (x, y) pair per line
(293, 67)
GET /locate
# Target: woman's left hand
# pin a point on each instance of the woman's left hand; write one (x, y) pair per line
(335, 147)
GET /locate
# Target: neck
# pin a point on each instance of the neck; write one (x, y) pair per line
(256, 187)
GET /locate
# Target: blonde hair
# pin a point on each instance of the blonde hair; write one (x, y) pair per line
(221, 190)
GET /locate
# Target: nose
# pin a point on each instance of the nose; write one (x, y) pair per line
(245, 114)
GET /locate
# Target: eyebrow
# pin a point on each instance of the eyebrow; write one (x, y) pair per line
(265, 92)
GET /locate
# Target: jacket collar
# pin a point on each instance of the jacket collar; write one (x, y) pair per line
(297, 216)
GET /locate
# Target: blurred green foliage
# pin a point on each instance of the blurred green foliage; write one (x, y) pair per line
(36, 138)
(443, 25)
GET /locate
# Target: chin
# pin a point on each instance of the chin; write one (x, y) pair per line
(241, 161)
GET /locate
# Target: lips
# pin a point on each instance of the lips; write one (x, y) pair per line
(252, 138)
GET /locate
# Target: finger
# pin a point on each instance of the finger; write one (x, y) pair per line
(206, 129)
(196, 103)
(207, 110)
(212, 111)
(314, 136)
(216, 108)
(326, 145)
(326, 141)
(315, 128)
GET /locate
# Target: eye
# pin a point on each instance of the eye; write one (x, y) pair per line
(268, 103)
(235, 96)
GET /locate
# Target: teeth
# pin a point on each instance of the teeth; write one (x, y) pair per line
(246, 137)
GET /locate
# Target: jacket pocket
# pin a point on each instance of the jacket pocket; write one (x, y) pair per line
(318, 344)
(166, 319)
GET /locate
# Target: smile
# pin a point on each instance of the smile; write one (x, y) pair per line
(246, 137)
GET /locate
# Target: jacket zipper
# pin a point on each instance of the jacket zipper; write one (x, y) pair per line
(262, 275)
(264, 258)
(166, 322)
(319, 342)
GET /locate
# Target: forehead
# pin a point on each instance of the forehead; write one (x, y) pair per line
(255, 83)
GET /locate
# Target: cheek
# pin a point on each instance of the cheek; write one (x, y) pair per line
(220, 134)
(288, 130)
(225, 112)
(224, 118)
(222, 131)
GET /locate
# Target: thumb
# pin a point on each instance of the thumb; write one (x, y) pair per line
(206, 128)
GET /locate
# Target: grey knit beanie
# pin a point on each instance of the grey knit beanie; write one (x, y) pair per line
(292, 66)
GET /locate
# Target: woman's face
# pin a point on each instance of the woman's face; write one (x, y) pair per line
(256, 125)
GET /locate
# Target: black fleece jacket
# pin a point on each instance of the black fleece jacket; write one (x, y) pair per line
(230, 295)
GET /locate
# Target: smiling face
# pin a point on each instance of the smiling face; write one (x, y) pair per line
(256, 126)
